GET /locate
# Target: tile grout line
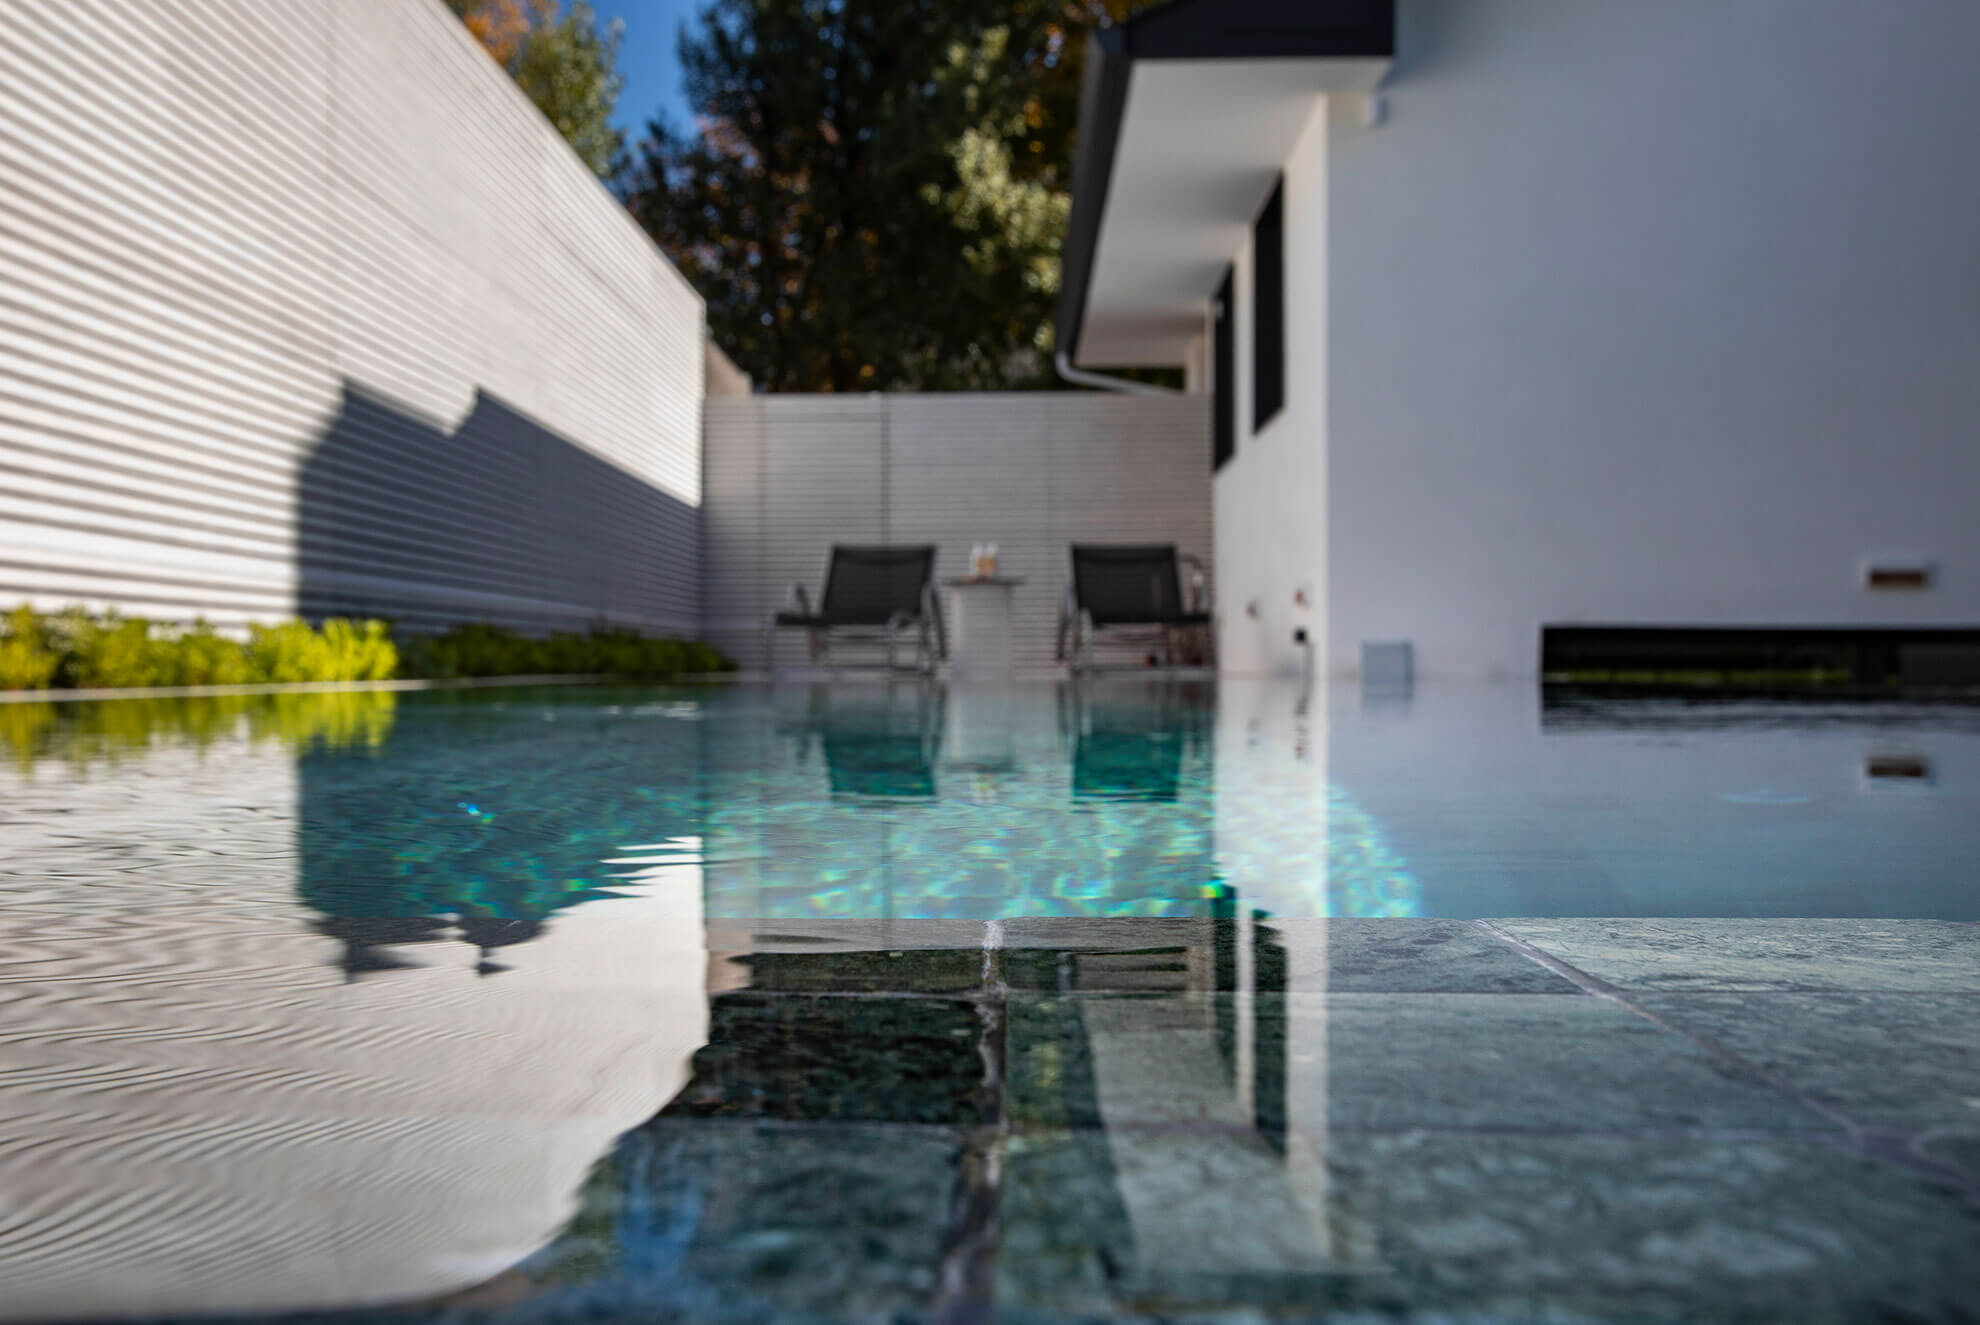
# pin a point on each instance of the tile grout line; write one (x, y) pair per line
(1888, 1145)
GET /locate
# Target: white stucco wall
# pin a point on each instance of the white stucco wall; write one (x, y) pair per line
(1032, 471)
(1662, 313)
(1635, 314)
(1270, 499)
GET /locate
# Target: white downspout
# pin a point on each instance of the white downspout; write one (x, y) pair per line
(1080, 377)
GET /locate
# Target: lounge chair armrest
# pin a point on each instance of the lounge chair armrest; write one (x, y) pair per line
(1068, 610)
(931, 606)
(803, 599)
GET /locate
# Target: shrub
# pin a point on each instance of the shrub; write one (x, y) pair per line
(359, 651)
(483, 650)
(73, 648)
(289, 651)
(203, 657)
(28, 656)
(472, 650)
(342, 651)
(113, 651)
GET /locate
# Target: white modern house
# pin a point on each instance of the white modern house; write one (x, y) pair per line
(1529, 314)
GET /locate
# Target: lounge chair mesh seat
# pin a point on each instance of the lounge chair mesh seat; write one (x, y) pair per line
(1127, 584)
(874, 593)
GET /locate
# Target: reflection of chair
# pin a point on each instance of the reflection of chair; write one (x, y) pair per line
(876, 745)
(1135, 587)
(874, 593)
(1130, 746)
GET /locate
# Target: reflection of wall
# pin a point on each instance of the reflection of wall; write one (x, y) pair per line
(222, 220)
(1290, 836)
(1719, 810)
(790, 475)
(204, 1115)
(851, 802)
(497, 810)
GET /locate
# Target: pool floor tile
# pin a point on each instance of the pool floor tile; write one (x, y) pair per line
(838, 1059)
(1482, 1227)
(1106, 1224)
(1401, 956)
(1907, 1061)
(1655, 1228)
(1382, 1062)
(726, 1220)
(1918, 956)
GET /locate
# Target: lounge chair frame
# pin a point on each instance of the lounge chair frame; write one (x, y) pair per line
(874, 594)
(1155, 606)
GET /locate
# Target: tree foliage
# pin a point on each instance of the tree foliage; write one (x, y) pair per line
(875, 191)
(564, 62)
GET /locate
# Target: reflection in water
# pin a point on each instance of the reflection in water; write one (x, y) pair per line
(488, 814)
(855, 1000)
(112, 730)
(975, 1101)
(1133, 746)
(204, 1113)
(878, 743)
(906, 801)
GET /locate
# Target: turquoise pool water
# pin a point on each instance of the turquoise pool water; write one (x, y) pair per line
(1122, 798)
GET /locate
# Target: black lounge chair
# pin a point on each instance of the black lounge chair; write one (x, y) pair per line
(1138, 587)
(874, 593)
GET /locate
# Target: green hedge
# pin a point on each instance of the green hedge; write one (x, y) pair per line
(74, 649)
(493, 651)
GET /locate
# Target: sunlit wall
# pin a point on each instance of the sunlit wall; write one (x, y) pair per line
(309, 308)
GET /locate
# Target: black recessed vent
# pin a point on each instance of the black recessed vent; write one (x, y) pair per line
(1898, 768)
(1223, 369)
(1897, 577)
(1268, 309)
(1763, 658)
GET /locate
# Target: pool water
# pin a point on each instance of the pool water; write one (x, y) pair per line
(1141, 997)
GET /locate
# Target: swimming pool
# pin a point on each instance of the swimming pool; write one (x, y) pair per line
(856, 1000)
(1115, 799)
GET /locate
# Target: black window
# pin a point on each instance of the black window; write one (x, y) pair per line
(1268, 309)
(1223, 371)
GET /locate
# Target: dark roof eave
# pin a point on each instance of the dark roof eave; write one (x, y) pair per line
(1188, 30)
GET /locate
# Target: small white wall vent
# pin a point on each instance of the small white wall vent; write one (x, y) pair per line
(1388, 664)
(1897, 573)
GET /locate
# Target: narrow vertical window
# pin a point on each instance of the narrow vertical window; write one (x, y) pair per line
(1268, 309)
(1223, 376)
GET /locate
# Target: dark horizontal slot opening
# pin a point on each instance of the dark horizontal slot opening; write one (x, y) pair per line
(1901, 768)
(1763, 659)
(1898, 577)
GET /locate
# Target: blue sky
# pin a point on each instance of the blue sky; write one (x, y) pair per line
(646, 57)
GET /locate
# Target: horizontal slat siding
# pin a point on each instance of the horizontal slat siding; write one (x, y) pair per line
(304, 307)
(790, 475)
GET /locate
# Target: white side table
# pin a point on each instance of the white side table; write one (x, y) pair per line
(981, 639)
